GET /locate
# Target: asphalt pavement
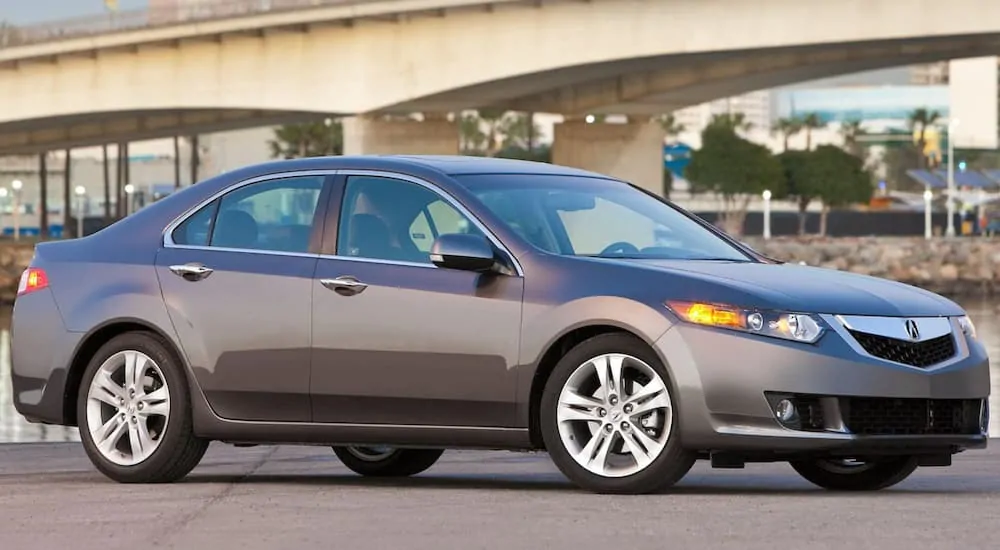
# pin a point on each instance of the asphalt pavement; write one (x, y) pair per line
(302, 497)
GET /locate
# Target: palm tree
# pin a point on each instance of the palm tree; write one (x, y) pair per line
(310, 139)
(811, 122)
(851, 131)
(731, 121)
(493, 119)
(787, 127)
(919, 120)
(671, 127)
(472, 140)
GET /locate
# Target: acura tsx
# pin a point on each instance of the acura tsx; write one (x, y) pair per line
(392, 307)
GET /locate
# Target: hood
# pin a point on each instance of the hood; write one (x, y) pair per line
(794, 287)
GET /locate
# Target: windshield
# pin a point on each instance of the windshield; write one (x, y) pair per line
(581, 216)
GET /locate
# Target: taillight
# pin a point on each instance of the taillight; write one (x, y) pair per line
(32, 279)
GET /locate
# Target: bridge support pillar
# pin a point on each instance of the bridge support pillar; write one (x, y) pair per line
(371, 136)
(632, 151)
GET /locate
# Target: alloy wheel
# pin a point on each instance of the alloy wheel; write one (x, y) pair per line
(128, 407)
(614, 415)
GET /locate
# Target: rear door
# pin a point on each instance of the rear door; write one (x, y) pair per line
(236, 277)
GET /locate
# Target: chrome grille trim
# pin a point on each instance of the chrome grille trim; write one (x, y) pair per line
(894, 327)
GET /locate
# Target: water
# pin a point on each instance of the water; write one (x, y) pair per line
(15, 429)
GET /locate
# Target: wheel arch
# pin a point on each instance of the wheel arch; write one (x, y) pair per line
(92, 342)
(554, 352)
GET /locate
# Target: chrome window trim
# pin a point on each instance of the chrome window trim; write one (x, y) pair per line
(444, 196)
(837, 324)
(168, 241)
(168, 238)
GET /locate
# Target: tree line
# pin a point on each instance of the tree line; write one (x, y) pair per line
(739, 171)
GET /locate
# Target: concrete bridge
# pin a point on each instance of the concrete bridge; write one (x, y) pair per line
(147, 78)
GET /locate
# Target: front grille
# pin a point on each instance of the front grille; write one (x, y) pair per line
(916, 354)
(890, 416)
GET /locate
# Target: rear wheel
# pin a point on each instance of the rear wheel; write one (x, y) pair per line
(134, 412)
(850, 475)
(384, 461)
(608, 418)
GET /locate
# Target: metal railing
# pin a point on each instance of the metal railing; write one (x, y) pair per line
(119, 21)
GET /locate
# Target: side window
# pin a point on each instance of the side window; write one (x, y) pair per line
(437, 218)
(196, 230)
(395, 220)
(273, 215)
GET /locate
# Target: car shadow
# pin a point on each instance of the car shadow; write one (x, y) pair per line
(555, 483)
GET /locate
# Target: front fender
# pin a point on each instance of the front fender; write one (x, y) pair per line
(543, 325)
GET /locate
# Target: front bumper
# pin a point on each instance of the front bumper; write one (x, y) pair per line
(727, 386)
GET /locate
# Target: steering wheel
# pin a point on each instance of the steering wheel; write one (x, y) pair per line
(621, 247)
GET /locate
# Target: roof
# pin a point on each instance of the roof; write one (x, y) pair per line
(963, 178)
(444, 164)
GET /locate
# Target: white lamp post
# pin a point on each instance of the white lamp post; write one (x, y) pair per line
(81, 191)
(950, 228)
(16, 185)
(928, 197)
(981, 197)
(129, 189)
(767, 213)
(3, 199)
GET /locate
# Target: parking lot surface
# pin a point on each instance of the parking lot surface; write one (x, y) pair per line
(302, 497)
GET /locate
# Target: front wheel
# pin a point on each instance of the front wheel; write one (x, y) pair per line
(382, 461)
(609, 420)
(849, 475)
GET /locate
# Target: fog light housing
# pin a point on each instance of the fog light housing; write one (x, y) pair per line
(785, 412)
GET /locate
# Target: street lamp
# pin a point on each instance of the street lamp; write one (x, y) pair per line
(767, 213)
(3, 198)
(129, 189)
(928, 197)
(328, 122)
(950, 228)
(80, 192)
(16, 185)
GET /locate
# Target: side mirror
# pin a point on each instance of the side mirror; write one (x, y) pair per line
(462, 251)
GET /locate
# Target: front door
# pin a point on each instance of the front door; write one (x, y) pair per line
(237, 282)
(397, 340)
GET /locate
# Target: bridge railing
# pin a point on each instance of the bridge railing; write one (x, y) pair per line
(118, 21)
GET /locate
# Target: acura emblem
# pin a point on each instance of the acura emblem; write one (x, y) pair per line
(911, 329)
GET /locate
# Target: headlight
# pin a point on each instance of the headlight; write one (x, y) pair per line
(968, 327)
(800, 327)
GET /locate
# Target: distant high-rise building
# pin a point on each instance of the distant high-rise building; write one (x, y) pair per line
(755, 107)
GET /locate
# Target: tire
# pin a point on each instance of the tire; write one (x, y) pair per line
(576, 374)
(373, 462)
(867, 476)
(171, 450)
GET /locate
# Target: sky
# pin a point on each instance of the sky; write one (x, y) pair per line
(26, 12)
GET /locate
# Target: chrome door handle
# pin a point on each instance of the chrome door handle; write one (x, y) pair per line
(345, 285)
(191, 272)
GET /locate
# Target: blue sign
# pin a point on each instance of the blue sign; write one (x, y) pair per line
(676, 157)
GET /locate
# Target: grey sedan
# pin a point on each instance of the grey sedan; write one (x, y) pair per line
(395, 307)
